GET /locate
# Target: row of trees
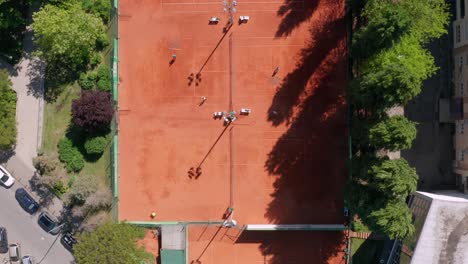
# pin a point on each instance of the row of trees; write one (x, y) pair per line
(7, 112)
(390, 65)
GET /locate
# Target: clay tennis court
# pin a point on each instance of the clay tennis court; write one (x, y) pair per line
(284, 163)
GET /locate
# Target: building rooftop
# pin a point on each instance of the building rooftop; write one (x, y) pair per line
(444, 237)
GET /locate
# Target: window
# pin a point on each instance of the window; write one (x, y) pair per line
(460, 155)
(460, 127)
(457, 34)
(460, 61)
(462, 8)
(461, 89)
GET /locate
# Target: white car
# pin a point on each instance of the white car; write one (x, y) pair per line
(5, 177)
(15, 255)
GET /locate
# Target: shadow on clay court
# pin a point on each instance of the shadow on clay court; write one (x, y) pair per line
(309, 159)
(225, 32)
(294, 13)
(293, 85)
(209, 151)
(281, 247)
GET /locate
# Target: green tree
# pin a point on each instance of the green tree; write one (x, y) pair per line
(111, 243)
(66, 36)
(396, 178)
(45, 165)
(394, 133)
(429, 19)
(394, 76)
(7, 112)
(395, 220)
(12, 28)
(100, 8)
(384, 28)
(82, 188)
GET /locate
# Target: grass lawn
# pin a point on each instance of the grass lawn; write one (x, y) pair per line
(366, 251)
(57, 116)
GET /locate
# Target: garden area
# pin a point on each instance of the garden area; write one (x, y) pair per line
(75, 161)
(366, 251)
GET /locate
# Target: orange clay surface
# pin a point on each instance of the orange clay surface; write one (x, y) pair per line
(213, 245)
(282, 164)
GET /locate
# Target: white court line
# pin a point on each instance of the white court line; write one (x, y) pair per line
(218, 3)
(243, 11)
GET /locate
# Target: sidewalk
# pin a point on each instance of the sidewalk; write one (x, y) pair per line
(28, 82)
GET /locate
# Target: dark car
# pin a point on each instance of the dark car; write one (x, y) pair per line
(26, 201)
(3, 240)
(68, 241)
(48, 223)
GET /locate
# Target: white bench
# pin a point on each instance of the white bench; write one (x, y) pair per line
(245, 111)
(214, 20)
(244, 19)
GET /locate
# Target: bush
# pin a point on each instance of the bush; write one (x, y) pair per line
(103, 72)
(82, 188)
(59, 188)
(100, 8)
(95, 59)
(77, 163)
(95, 145)
(8, 112)
(70, 155)
(87, 81)
(102, 42)
(44, 165)
(93, 111)
(104, 85)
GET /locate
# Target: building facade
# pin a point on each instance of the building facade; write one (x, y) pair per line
(458, 112)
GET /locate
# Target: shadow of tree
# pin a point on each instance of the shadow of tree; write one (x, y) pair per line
(35, 73)
(45, 195)
(323, 40)
(309, 159)
(296, 247)
(5, 155)
(294, 13)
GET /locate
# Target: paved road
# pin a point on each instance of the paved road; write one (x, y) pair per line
(23, 228)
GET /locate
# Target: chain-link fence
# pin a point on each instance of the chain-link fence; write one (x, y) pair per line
(114, 62)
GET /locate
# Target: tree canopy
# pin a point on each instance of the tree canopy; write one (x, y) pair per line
(7, 112)
(394, 76)
(394, 133)
(67, 36)
(93, 111)
(395, 220)
(112, 244)
(395, 178)
(12, 28)
(428, 19)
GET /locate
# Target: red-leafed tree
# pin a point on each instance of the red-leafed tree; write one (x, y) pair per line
(93, 111)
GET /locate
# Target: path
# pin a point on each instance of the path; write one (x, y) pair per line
(28, 82)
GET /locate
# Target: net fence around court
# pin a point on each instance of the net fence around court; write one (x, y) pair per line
(114, 59)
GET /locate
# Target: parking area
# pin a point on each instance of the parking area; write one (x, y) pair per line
(22, 228)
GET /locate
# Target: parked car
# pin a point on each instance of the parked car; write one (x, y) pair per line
(3, 240)
(68, 241)
(5, 178)
(49, 223)
(27, 260)
(26, 201)
(15, 255)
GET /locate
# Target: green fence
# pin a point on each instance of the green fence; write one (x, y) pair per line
(114, 62)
